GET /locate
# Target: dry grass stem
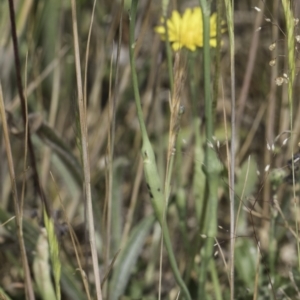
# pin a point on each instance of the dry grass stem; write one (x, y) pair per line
(85, 156)
(18, 213)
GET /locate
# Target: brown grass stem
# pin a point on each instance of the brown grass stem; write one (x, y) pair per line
(252, 132)
(176, 109)
(25, 147)
(36, 179)
(133, 201)
(109, 173)
(87, 52)
(85, 157)
(249, 68)
(28, 284)
(111, 139)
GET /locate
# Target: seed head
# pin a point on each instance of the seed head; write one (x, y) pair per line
(272, 46)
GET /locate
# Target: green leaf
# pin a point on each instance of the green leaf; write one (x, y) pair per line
(128, 258)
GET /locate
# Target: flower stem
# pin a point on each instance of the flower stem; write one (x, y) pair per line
(150, 168)
(212, 166)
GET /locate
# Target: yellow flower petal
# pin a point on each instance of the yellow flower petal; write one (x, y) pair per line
(176, 46)
(160, 29)
(187, 30)
(213, 25)
(174, 22)
(213, 43)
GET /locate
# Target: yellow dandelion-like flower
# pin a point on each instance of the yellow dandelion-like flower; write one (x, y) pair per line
(187, 30)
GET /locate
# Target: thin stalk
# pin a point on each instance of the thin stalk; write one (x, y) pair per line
(165, 5)
(150, 168)
(289, 18)
(87, 54)
(242, 99)
(181, 199)
(212, 166)
(229, 13)
(176, 112)
(199, 179)
(111, 143)
(85, 158)
(255, 293)
(86, 62)
(109, 177)
(25, 146)
(75, 243)
(270, 129)
(37, 184)
(217, 54)
(29, 293)
(272, 243)
(133, 201)
(52, 118)
(215, 279)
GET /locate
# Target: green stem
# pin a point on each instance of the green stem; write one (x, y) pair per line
(215, 279)
(199, 178)
(150, 168)
(181, 199)
(290, 25)
(272, 243)
(229, 13)
(212, 166)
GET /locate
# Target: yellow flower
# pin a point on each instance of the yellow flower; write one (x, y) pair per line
(187, 30)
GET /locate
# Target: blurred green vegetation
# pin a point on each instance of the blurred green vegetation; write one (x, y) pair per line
(265, 235)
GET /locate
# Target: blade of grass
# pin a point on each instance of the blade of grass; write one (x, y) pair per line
(54, 253)
(57, 144)
(215, 279)
(41, 267)
(128, 257)
(56, 89)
